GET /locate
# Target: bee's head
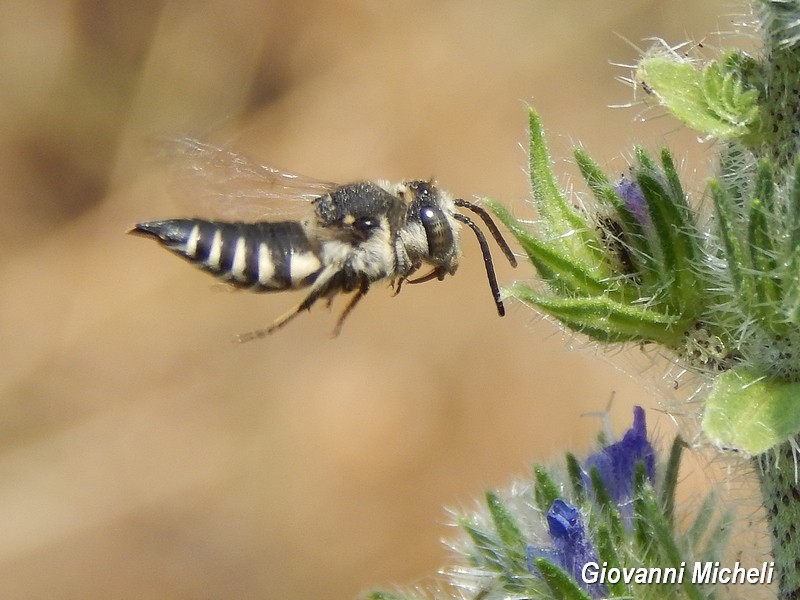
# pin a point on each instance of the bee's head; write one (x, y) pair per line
(429, 209)
(431, 232)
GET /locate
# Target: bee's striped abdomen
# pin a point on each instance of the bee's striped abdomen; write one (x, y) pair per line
(262, 256)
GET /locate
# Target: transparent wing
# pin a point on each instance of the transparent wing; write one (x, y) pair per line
(214, 182)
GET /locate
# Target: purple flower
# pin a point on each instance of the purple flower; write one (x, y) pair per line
(634, 200)
(572, 548)
(617, 462)
(616, 465)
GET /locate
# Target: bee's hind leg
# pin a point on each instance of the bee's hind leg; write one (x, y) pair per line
(319, 290)
(362, 290)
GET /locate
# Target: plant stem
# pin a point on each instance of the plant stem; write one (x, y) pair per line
(778, 468)
(780, 488)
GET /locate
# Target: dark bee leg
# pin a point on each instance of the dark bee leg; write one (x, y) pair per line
(397, 286)
(427, 277)
(487, 261)
(280, 321)
(405, 278)
(330, 285)
(360, 293)
(486, 218)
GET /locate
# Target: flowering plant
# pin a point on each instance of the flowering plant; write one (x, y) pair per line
(603, 527)
(719, 291)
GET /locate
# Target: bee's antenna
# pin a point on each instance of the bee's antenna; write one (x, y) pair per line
(498, 237)
(487, 260)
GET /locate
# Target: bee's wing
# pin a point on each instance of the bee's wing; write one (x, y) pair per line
(214, 182)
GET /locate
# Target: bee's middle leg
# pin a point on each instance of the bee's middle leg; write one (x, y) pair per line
(362, 290)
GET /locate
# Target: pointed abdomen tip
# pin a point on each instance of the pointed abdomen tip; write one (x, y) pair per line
(142, 229)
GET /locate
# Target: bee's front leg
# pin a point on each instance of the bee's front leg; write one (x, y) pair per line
(398, 283)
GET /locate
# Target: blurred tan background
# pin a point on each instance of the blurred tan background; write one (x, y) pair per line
(142, 454)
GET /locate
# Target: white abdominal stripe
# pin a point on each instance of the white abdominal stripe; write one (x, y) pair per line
(260, 256)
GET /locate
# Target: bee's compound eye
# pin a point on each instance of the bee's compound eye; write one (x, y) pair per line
(365, 224)
(438, 232)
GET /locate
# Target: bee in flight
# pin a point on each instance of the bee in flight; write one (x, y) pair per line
(350, 237)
